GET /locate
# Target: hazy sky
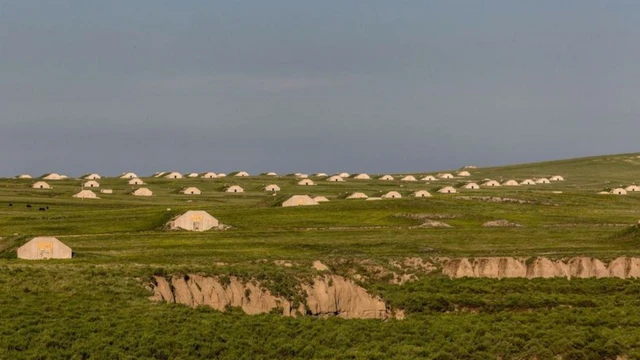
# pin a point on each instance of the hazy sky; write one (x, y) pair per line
(371, 85)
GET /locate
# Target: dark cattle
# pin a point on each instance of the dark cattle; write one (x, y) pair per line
(10, 204)
(47, 208)
(42, 209)
(29, 205)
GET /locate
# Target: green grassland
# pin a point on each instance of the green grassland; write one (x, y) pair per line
(95, 305)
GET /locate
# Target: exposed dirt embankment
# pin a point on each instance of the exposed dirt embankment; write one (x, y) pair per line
(328, 295)
(334, 295)
(507, 267)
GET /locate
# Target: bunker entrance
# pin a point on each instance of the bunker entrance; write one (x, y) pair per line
(197, 225)
(45, 250)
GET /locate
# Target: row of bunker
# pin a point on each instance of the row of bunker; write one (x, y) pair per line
(336, 178)
(213, 175)
(133, 180)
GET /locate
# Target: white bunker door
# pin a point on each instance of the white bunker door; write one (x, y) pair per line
(196, 222)
(45, 250)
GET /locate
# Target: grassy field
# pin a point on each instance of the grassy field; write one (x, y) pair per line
(95, 305)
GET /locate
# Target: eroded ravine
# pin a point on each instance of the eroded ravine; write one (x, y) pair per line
(540, 267)
(328, 295)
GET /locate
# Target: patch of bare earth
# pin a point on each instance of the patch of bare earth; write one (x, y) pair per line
(318, 265)
(283, 263)
(432, 224)
(500, 223)
(428, 216)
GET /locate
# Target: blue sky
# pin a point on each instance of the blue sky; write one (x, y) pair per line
(360, 86)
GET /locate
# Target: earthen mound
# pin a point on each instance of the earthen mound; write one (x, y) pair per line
(434, 224)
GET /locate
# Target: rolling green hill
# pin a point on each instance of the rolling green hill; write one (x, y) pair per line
(96, 304)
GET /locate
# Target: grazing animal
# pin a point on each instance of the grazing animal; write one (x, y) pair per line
(10, 204)
(29, 206)
(47, 208)
(42, 209)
